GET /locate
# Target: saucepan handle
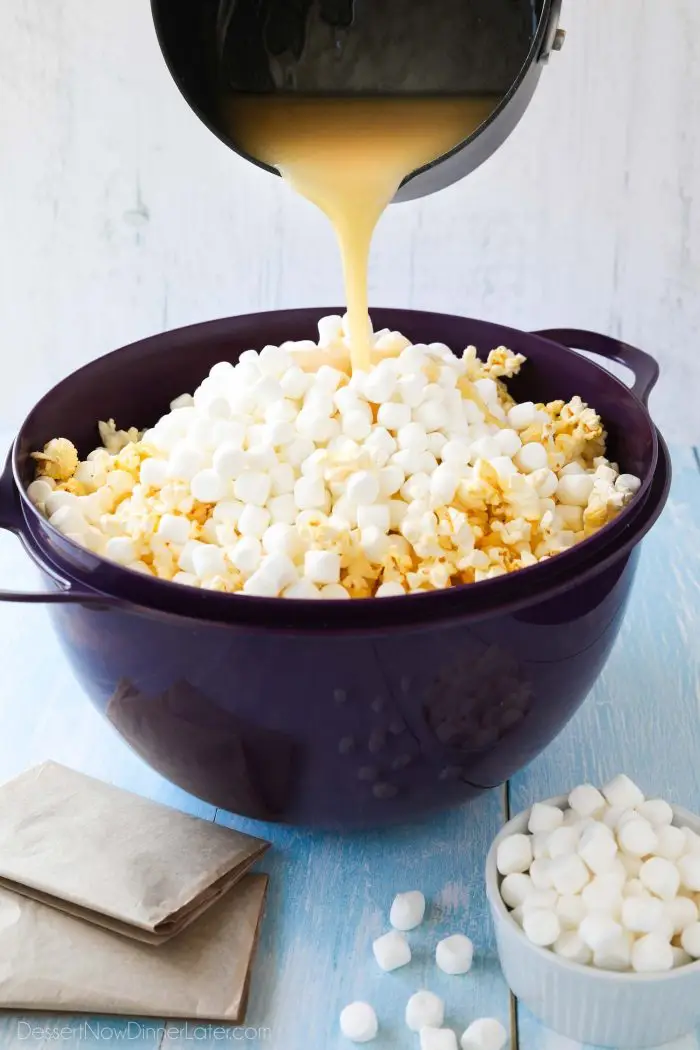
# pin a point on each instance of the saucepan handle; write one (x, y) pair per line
(641, 364)
(12, 520)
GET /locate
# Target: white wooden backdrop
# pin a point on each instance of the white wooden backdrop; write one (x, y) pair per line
(120, 215)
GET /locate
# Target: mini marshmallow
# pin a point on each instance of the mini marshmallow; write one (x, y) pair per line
(322, 566)
(437, 1039)
(656, 811)
(424, 1010)
(690, 940)
(514, 854)
(621, 791)
(681, 912)
(358, 1022)
(546, 899)
(604, 894)
(391, 951)
(541, 874)
(570, 947)
(638, 838)
(671, 842)
(689, 871)
(598, 848)
(563, 842)
(586, 800)
(598, 930)
(541, 926)
(571, 911)
(615, 954)
(661, 877)
(407, 910)
(486, 1033)
(651, 954)
(516, 888)
(569, 874)
(544, 818)
(454, 954)
(642, 914)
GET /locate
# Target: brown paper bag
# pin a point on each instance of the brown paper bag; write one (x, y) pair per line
(116, 859)
(53, 962)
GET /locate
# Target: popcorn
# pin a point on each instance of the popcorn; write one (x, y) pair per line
(419, 475)
(610, 881)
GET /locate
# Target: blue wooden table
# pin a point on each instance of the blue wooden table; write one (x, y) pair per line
(329, 895)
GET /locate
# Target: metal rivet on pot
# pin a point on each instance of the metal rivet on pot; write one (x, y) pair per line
(559, 38)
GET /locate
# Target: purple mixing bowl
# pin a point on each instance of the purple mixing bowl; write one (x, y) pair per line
(338, 714)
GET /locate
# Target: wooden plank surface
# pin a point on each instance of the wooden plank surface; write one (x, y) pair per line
(329, 895)
(643, 716)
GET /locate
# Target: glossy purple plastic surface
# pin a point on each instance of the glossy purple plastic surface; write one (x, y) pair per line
(340, 714)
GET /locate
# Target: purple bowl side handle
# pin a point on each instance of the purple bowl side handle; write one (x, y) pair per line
(643, 366)
(12, 520)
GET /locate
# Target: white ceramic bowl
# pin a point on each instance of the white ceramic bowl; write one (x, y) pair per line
(601, 1007)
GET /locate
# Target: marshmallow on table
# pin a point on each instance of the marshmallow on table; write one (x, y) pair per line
(454, 954)
(358, 1022)
(424, 1010)
(437, 1039)
(486, 1033)
(391, 951)
(407, 910)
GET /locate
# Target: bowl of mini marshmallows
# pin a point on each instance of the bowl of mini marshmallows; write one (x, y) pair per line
(595, 898)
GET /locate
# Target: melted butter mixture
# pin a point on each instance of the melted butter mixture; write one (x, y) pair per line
(349, 157)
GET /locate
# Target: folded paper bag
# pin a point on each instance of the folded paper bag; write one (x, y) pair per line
(53, 962)
(116, 859)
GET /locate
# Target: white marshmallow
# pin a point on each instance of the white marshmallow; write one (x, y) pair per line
(571, 911)
(563, 842)
(598, 848)
(424, 1009)
(574, 490)
(541, 874)
(621, 791)
(253, 521)
(358, 1022)
(642, 914)
(690, 940)
(689, 870)
(394, 415)
(121, 550)
(681, 912)
(391, 951)
(246, 555)
(661, 877)
(671, 842)
(680, 957)
(407, 910)
(604, 894)
(586, 800)
(532, 456)
(598, 930)
(569, 874)
(174, 529)
(454, 954)
(540, 899)
(652, 954)
(486, 1033)
(208, 486)
(616, 954)
(515, 888)
(437, 1039)
(544, 818)
(637, 837)
(541, 926)
(522, 416)
(310, 493)
(570, 947)
(322, 566)
(514, 854)
(656, 811)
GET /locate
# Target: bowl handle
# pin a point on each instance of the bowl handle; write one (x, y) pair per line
(644, 367)
(12, 520)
